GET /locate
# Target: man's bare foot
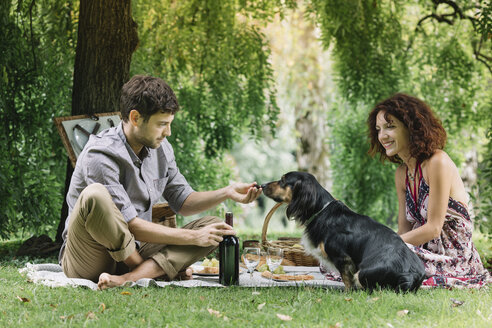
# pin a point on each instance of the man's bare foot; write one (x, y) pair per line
(107, 280)
(186, 274)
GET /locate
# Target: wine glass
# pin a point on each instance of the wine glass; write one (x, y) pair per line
(251, 257)
(274, 258)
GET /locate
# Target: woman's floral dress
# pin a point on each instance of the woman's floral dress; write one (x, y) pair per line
(450, 260)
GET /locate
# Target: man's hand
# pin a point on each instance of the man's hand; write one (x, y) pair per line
(244, 192)
(200, 201)
(211, 235)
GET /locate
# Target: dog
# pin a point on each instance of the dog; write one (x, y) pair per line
(367, 254)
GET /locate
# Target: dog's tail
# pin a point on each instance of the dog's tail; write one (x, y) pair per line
(384, 278)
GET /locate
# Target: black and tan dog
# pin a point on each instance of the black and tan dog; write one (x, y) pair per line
(367, 253)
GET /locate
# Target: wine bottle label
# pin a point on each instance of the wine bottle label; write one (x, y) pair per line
(229, 261)
(229, 257)
(229, 265)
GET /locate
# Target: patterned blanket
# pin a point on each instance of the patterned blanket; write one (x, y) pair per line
(52, 275)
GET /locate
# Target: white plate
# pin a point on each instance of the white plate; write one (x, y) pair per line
(206, 274)
(197, 268)
(281, 280)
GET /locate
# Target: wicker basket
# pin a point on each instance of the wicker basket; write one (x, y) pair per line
(294, 254)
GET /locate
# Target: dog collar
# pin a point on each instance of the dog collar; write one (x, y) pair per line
(316, 214)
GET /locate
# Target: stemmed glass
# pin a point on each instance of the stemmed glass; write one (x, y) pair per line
(274, 258)
(251, 257)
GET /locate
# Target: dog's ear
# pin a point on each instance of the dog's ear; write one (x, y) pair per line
(303, 203)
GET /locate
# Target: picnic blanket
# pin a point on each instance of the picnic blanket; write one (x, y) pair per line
(51, 274)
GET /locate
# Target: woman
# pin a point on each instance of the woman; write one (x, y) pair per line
(433, 218)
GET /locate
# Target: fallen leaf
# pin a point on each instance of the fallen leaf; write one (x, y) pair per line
(54, 305)
(202, 298)
(103, 307)
(260, 306)
(348, 299)
(374, 299)
(479, 313)
(283, 317)
(318, 300)
(125, 293)
(455, 302)
(90, 315)
(402, 313)
(255, 293)
(337, 325)
(23, 299)
(215, 313)
(69, 317)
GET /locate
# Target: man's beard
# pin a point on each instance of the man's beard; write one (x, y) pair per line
(151, 143)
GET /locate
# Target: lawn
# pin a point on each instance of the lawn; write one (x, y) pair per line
(29, 305)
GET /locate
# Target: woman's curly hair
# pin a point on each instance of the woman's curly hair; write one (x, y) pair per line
(424, 128)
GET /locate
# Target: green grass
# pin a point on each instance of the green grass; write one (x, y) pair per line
(30, 305)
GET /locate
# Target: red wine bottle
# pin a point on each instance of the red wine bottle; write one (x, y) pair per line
(229, 257)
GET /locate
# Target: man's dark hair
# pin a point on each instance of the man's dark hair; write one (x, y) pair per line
(148, 95)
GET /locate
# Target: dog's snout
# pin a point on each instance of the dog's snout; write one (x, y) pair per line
(263, 186)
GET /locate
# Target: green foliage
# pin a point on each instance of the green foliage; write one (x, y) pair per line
(449, 79)
(363, 183)
(367, 45)
(481, 241)
(484, 201)
(34, 87)
(419, 47)
(216, 60)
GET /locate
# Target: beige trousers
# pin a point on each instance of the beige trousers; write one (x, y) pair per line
(98, 240)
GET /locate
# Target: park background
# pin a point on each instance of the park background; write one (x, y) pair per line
(265, 86)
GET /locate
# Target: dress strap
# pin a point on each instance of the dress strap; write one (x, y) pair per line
(414, 191)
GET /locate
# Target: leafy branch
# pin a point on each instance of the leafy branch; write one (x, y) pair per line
(458, 13)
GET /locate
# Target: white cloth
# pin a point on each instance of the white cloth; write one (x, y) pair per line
(52, 275)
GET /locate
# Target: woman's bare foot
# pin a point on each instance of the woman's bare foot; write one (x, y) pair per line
(107, 280)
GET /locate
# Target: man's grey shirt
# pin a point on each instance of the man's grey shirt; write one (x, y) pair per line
(135, 185)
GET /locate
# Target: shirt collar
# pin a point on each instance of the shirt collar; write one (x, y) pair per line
(145, 150)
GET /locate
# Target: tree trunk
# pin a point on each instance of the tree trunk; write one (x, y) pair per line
(312, 107)
(107, 38)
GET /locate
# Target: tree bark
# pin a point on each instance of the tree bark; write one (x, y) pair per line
(107, 38)
(312, 153)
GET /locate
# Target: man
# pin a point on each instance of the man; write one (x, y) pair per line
(121, 173)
